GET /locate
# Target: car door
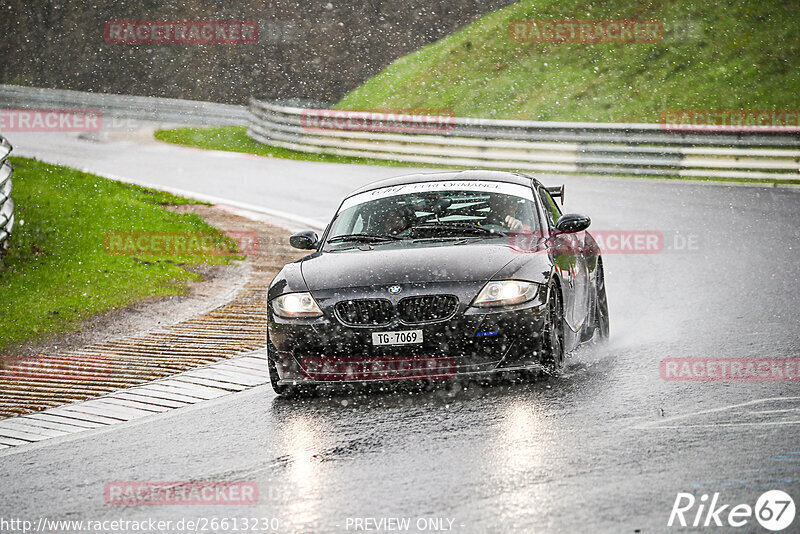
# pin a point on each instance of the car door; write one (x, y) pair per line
(570, 261)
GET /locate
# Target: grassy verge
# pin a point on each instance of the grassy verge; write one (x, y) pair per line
(735, 54)
(57, 272)
(234, 139)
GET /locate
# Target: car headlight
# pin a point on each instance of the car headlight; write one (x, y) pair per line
(292, 305)
(506, 293)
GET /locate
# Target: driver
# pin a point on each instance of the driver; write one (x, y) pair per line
(395, 221)
(503, 211)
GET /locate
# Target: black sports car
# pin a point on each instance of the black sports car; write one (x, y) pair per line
(436, 276)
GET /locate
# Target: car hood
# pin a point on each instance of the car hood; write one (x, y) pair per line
(396, 264)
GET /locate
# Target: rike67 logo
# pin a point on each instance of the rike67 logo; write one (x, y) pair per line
(774, 511)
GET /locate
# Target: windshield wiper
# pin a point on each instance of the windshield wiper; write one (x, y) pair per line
(456, 239)
(363, 237)
(458, 227)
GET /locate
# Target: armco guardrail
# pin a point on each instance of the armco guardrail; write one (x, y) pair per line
(559, 147)
(124, 106)
(6, 202)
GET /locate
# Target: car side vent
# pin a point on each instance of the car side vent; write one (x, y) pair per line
(364, 312)
(427, 308)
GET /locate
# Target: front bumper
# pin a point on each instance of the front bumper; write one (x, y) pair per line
(473, 342)
(470, 375)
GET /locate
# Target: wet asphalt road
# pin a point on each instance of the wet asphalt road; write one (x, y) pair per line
(604, 448)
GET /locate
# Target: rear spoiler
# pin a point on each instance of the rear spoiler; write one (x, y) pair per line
(557, 191)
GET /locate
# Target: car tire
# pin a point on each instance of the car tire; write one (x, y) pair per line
(282, 390)
(601, 305)
(553, 335)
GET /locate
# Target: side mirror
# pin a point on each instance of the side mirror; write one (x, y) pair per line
(572, 222)
(307, 240)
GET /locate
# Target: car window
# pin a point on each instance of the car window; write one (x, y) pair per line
(551, 211)
(358, 225)
(401, 214)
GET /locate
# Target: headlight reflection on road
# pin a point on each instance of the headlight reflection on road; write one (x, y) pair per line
(522, 454)
(302, 443)
(521, 432)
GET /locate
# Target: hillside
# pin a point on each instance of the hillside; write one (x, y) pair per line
(307, 50)
(728, 55)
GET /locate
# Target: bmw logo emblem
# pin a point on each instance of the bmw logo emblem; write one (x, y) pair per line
(394, 290)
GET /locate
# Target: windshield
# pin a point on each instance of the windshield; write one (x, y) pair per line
(433, 214)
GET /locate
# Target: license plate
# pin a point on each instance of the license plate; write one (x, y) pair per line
(401, 337)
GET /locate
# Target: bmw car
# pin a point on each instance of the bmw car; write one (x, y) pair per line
(437, 276)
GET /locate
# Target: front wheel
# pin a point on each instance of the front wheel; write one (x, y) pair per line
(553, 338)
(283, 390)
(273, 379)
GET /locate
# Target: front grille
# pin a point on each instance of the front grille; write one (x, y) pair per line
(364, 312)
(426, 308)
